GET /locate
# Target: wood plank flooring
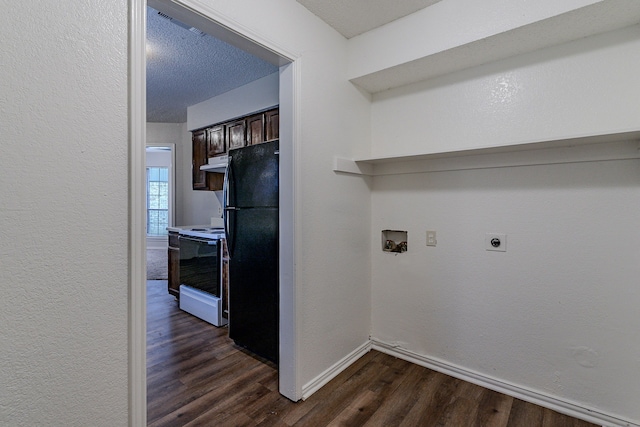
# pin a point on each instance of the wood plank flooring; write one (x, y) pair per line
(196, 376)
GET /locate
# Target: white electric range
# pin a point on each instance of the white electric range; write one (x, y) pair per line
(201, 273)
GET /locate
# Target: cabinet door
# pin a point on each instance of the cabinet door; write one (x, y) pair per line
(255, 129)
(272, 124)
(216, 141)
(215, 181)
(225, 279)
(236, 134)
(173, 285)
(199, 158)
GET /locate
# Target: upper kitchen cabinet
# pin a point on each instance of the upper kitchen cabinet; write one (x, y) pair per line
(216, 144)
(263, 127)
(236, 134)
(272, 124)
(255, 129)
(219, 138)
(199, 158)
(205, 142)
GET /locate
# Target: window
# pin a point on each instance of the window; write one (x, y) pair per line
(157, 201)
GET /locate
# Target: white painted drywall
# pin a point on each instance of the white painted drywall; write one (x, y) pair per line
(557, 312)
(585, 87)
(164, 133)
(255, 96)
(158, 159)
(64, 214)
(453, 35)
(175, 133)
(332, 211)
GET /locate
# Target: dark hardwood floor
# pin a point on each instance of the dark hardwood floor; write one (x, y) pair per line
(196, 376)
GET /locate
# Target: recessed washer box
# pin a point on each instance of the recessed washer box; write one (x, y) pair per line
(394, 241)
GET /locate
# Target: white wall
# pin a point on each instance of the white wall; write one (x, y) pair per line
(175, 133)
(158, 159)
(556, 314)
(332, 211)
(453, 24)
(255, 96)
(63, 214)
(585, 87)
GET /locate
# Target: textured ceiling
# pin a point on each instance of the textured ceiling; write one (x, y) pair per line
(353, 17)
(185, 68)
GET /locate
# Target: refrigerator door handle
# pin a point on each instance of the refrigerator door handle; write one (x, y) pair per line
(228, 232)
(225, 184)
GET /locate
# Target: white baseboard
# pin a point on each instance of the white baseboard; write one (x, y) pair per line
(513, 390)
(312, 386)
(157, 242)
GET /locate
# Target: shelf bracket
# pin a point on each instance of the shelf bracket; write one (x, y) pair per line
(351, 166)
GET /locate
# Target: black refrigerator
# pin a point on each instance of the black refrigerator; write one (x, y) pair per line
(251, 228)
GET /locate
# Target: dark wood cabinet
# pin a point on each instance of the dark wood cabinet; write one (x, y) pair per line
(236, 134)
(218, 139)
(205, 142)
(225, 279)
(199, 158)
(272, 124)
(216, 145)
(173, 285)
(255, 129)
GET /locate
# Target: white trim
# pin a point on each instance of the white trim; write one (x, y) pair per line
(333, 371)
(535, 397)
(157, 242)
(227, 30)
(203, 16)
(137, 211)
(289, 229)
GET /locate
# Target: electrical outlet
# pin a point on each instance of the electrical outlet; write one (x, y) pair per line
(495, 242)
(219, 210)
(431, 238)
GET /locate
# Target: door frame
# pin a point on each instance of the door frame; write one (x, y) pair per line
(201, 15)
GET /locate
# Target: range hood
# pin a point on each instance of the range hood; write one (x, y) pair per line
(216, 164)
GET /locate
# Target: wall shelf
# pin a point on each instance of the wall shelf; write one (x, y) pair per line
(574, 24)
(611, 146)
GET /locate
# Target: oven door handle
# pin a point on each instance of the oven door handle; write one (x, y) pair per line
(195, 239)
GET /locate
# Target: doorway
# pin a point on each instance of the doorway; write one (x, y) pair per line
(160, 200)
(228, 30)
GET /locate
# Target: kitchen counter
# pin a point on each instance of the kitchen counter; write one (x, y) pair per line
(215, 222)
(178, 228)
